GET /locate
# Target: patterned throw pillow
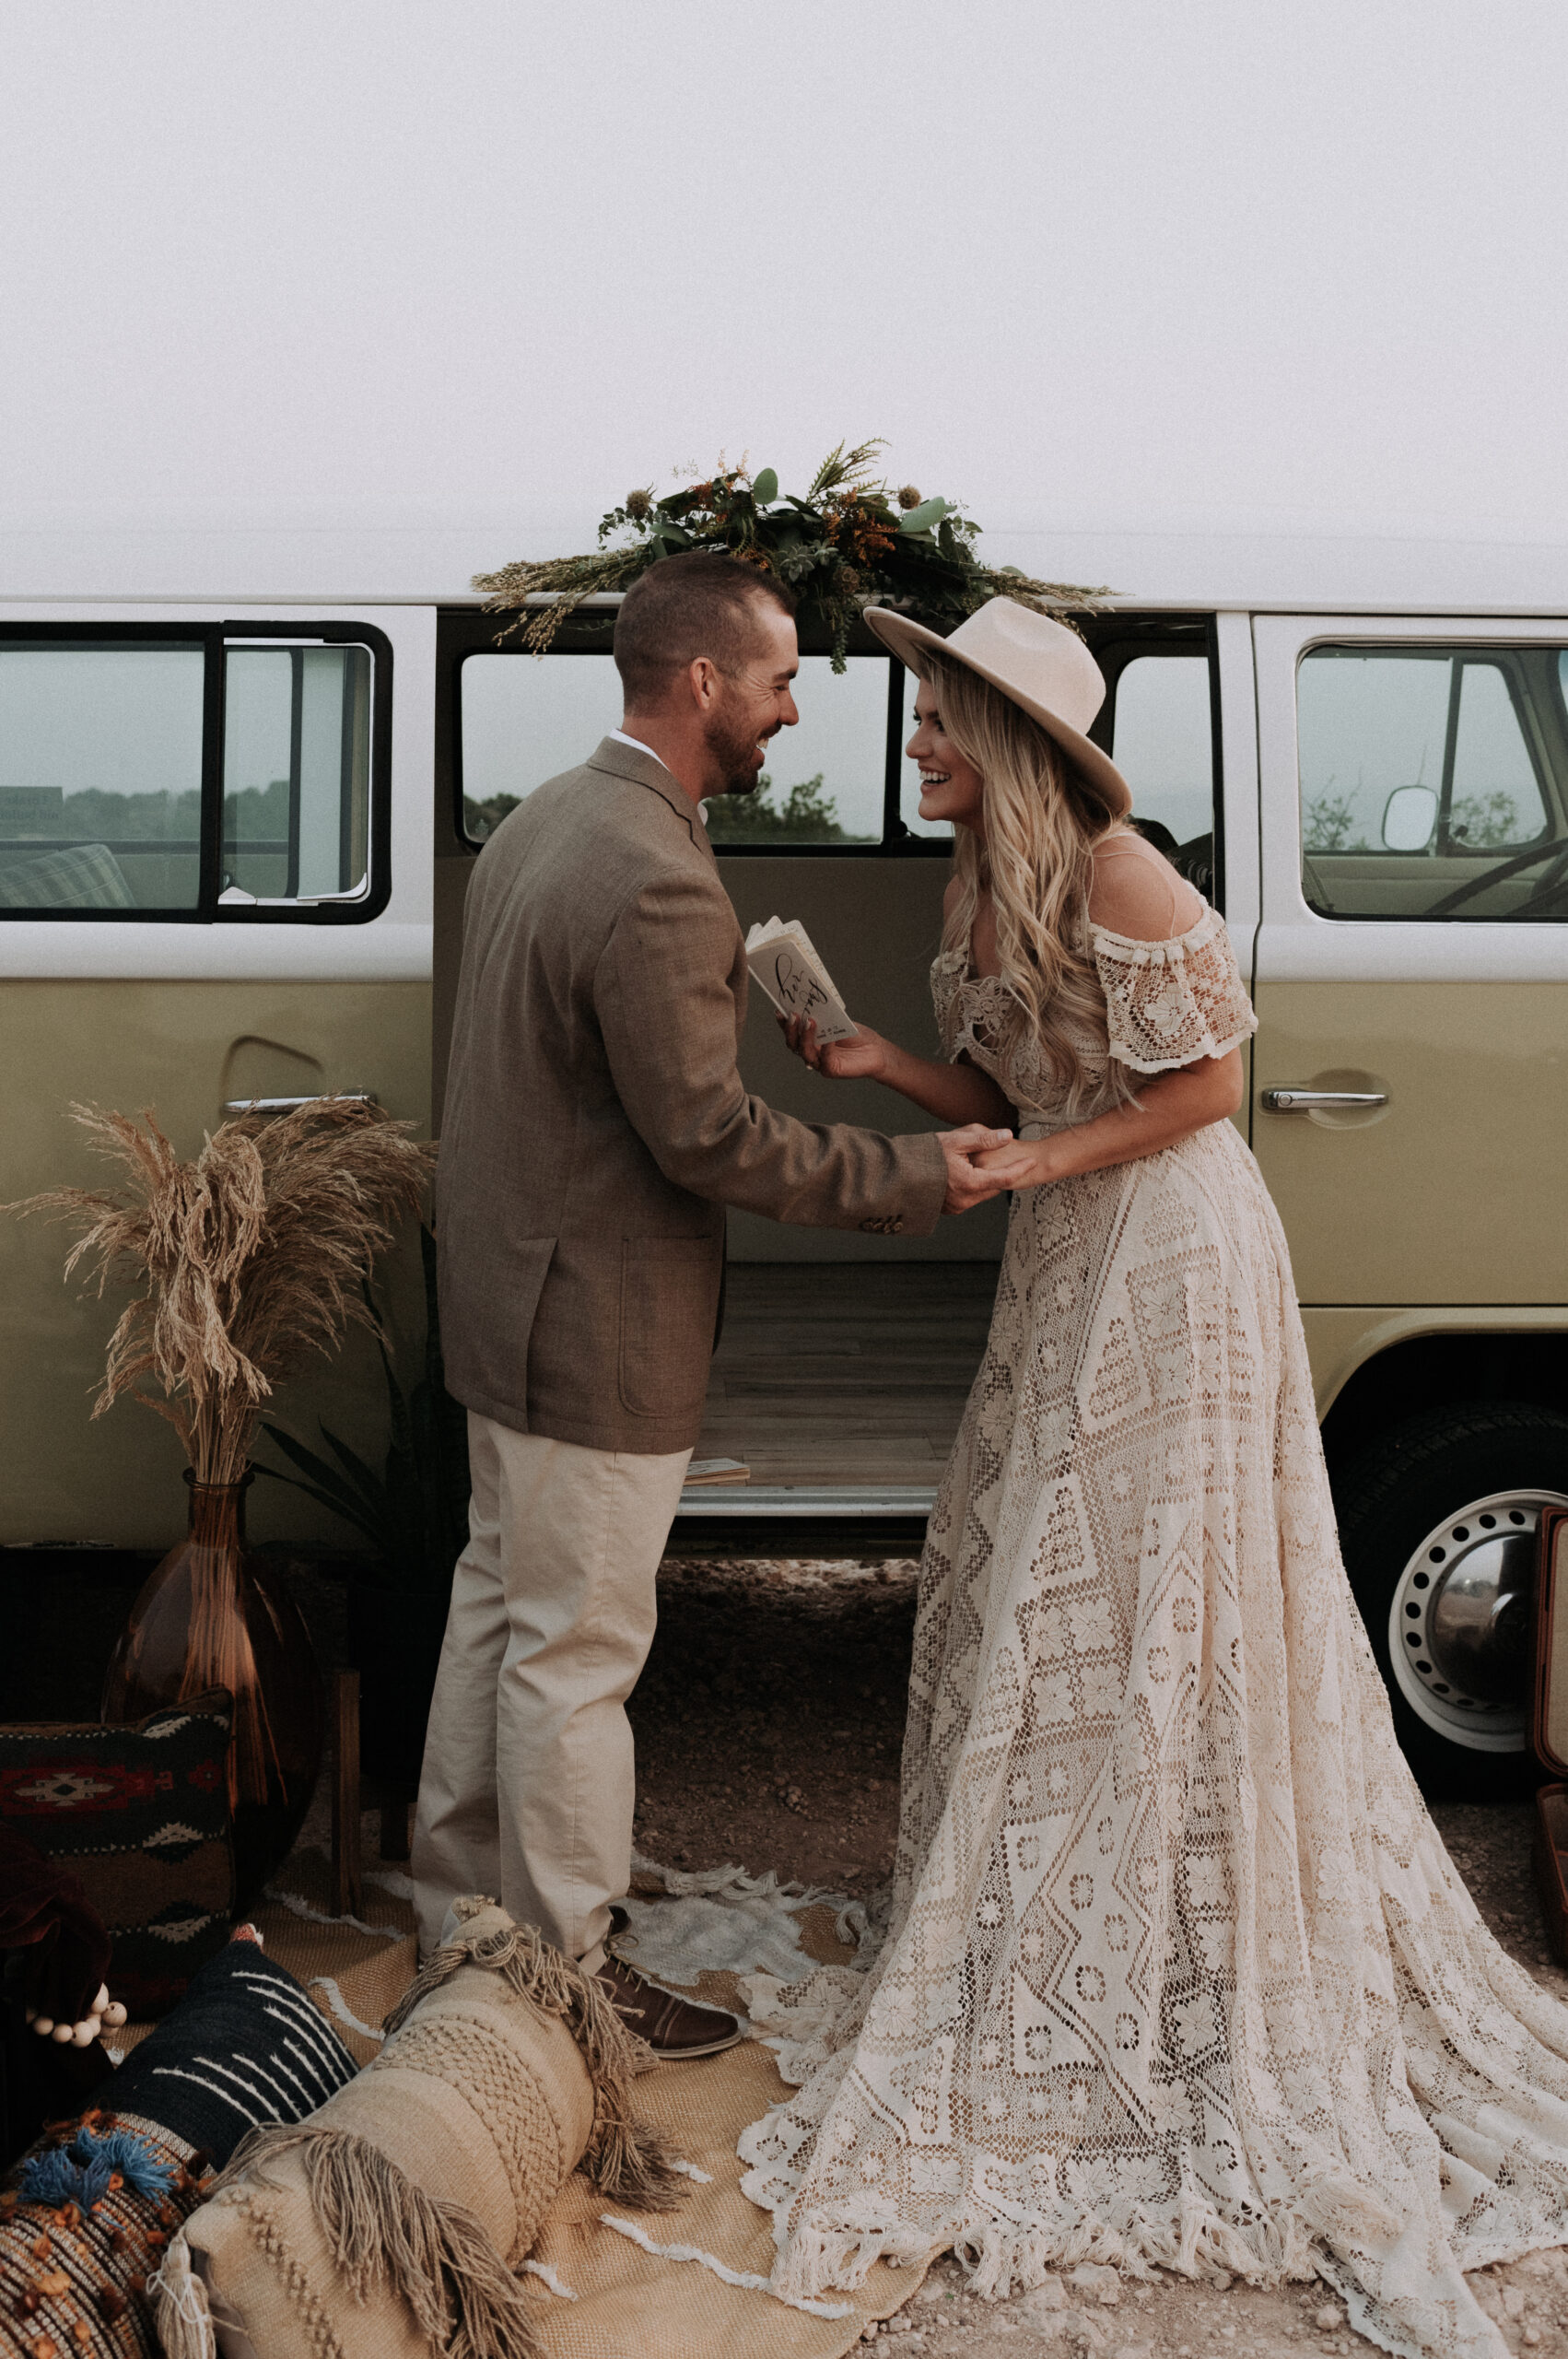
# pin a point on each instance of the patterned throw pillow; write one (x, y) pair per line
(139, 1815)
(75, 2258)
(391, 2222)
(246, 2046)
(87, 2217)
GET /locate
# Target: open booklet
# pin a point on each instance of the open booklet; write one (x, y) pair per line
(784, 962)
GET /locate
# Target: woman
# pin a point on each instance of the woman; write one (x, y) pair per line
(1178, 1969)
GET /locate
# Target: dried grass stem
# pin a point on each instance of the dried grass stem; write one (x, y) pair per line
(247, 1258)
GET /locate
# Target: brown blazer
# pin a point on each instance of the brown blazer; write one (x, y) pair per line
(596, 1123)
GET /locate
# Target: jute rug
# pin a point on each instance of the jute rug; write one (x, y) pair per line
(617, 2283)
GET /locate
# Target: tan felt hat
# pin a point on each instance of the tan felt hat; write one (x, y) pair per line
(1041, 665)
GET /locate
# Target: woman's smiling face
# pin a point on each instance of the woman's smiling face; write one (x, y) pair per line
(951, 787)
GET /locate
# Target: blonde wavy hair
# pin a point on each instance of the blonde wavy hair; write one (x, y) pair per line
(1042, 820)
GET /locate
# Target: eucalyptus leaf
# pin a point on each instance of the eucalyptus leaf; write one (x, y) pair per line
(921, 519)
(764, 487)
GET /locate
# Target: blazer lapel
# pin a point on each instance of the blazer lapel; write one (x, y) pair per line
(645, 770)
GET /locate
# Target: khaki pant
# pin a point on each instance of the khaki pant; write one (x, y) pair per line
(529, 1776)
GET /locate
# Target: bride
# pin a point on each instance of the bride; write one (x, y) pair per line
(1178, 1970)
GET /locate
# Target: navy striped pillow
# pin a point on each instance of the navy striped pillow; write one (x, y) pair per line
(245, 2046)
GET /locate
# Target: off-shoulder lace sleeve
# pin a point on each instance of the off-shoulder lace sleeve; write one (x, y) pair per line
(1167, 1004)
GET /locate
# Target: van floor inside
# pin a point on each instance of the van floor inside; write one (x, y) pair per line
(844, 1373)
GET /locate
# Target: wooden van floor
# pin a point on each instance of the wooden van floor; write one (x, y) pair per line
(845, 1371)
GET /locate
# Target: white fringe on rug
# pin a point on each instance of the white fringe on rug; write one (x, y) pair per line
(341, 2008)
(542, 2269)
(746, 2279)
(299, 1908)
(723, 1920)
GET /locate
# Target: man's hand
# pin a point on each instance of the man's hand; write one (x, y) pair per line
(967, 1185)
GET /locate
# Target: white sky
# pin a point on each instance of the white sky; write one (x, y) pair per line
(1231, 265)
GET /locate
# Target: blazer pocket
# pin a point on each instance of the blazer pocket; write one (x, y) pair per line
(669, 1305)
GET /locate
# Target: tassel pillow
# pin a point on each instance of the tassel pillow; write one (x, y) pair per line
(86, 2216)
(389, 2224)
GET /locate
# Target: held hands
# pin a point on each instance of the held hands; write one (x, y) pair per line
(1021, 1162)
(970, 1154)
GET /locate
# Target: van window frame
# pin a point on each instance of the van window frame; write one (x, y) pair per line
(1119, 642)
(1114, 637)
(214, 637)
(474, 631)
(1458, 643)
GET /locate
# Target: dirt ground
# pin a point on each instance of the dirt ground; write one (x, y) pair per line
(768, 1725)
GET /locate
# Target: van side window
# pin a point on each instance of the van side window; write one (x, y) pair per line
(527, 718)
(1162, 742)
(296, 772)
(1434, 782)
(1158, 728)
(100, 775)
(200, 774)
(837, 779)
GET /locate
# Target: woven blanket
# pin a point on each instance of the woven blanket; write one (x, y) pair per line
(599, 2290)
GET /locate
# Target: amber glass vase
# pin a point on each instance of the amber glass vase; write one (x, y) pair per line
(213, 1615)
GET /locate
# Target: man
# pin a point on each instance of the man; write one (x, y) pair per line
(596, 1126)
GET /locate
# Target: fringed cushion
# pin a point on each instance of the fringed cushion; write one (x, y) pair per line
(392, 2222)
(85, 2220)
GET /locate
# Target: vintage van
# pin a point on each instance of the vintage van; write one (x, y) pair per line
(235, 838)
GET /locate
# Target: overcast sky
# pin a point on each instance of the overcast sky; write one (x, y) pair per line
(1230, 264)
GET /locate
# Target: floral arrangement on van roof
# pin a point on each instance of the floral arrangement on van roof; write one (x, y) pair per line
(851, 540)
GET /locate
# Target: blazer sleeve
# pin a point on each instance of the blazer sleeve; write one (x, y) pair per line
(667, 1016)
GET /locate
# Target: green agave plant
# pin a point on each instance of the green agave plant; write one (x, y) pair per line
(849, 542)
(414, 1513)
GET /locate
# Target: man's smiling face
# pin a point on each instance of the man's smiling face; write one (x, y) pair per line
(756, 701)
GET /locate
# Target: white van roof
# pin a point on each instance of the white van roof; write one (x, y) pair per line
(248, 561)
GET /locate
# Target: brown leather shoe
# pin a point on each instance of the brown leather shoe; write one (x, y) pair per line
(673, 2028)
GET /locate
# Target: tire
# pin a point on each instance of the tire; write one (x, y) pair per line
(1438, 1525)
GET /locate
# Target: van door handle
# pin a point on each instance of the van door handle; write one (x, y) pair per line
(1307, 1101)
(233, 1106)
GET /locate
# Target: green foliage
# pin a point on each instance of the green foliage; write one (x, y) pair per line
(1484, 822)
(257, 811)
(482, 819)
(1328, 820)
(98, 813)
(851, 542)
(415, 1512)
(805, 815)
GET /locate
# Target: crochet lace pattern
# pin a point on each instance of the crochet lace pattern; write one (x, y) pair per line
(1178, 1969)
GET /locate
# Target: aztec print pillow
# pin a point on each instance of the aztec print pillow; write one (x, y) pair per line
(139, 1815)
(87, 2217)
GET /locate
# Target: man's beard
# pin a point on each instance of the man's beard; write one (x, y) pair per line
(732, 747)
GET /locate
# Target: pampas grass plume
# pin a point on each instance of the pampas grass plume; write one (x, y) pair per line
(247, 1258)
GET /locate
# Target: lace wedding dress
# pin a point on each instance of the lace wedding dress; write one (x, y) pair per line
(1178, 1969)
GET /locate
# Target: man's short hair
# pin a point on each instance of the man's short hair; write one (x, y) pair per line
(685, 606)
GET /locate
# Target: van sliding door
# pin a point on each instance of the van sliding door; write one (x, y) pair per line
(214, 887)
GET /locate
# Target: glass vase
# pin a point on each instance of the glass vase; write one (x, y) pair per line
(214, 1614)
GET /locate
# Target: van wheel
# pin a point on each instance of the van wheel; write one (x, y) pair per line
(1437, 1523)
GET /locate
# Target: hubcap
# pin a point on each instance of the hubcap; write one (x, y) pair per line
(1460, 1625)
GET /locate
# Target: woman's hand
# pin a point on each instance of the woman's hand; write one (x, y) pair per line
(1023, 1163)
(1170, 1107)
(865, 1058)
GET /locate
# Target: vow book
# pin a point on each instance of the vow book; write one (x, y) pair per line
(783, 961)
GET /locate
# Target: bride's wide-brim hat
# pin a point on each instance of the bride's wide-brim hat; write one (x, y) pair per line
(1044, 667)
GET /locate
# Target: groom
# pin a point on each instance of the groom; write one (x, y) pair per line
(596, 1127)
